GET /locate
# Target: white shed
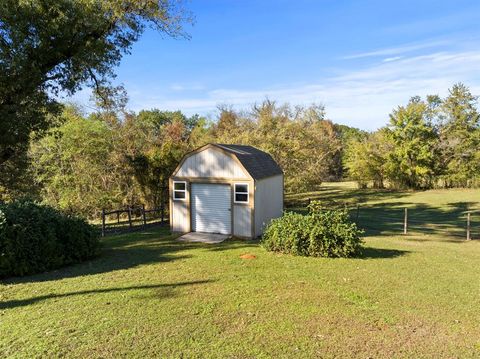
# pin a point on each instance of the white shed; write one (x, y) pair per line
(228, 189)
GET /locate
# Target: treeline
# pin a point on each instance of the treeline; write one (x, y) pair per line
(110, 159)
(428, 143)
(113, 158)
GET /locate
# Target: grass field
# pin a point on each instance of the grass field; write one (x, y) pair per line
(149, 295)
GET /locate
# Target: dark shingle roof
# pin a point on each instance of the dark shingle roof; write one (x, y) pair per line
(258, 163)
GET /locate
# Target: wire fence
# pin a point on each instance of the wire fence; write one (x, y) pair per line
(415, 219)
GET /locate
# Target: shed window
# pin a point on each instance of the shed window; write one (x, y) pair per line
(241, 193)
(179, 191)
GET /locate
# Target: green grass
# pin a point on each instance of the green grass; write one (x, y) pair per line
(430, 213)
(151, 296)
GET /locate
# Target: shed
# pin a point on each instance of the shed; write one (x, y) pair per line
(227, 189)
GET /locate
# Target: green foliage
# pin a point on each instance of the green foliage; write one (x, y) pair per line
(411, 162)
(365, 159)
(36, 238)
(459, 143)
(300, 139)
(428, 143)
(53, 46)
(321, 233)
(74, 167)
(86, 164)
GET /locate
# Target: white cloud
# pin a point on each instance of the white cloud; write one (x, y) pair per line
(397, 50)
(361, 98)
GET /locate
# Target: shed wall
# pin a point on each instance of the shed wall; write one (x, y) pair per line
(268, 201)
(211, 163)
(242, 220)
(180, 213)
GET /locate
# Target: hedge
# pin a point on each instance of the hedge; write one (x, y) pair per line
(320, 233)
(36, 238)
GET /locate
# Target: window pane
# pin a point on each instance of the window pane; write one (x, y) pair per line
(241, 188)
(179, 195)
(180, 186)
(241, 197)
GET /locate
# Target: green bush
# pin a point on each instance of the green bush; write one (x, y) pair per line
(36, 238)
(320, 233)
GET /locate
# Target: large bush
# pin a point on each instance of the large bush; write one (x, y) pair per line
(35, 238)
(320, 233)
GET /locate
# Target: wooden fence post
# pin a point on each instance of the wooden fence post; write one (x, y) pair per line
(144, 218)
(162, 212)
(103, 222)
(405, 222)
(129, 217)
(468, 226)
(118, 217)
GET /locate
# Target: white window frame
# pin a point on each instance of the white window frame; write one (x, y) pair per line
(180, 190)
(235, 193)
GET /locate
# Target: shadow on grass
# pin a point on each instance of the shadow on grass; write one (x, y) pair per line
(29, 301)
(339, 195)
(128, 251)
(388, 218)
(380, 253)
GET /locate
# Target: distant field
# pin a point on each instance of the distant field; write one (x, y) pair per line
(151, 296)
(438, 213)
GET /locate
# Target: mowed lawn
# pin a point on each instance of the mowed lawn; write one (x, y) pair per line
(151, 296)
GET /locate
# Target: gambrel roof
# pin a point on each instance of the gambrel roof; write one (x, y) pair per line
(256, 163)
(259, 164)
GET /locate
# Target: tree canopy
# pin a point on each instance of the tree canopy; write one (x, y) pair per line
(54, 47)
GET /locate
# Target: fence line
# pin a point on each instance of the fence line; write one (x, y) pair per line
(130, 212)
(409, 220)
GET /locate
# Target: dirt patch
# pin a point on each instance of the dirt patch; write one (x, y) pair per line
(248, 256)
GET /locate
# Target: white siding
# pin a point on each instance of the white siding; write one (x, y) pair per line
(180, 219)
(211, 208)
(242, 219)
(211, 163)
(268, 201)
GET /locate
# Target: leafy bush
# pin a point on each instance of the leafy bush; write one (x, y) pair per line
(321, 233)
(35, 238)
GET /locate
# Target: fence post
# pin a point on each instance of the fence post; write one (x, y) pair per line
(129, 217)
(405, 222)
(468, 226)
(103, 222)
(144, 218)
(162, 212)
(118, 217)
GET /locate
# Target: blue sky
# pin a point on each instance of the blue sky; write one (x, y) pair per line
(358, 58)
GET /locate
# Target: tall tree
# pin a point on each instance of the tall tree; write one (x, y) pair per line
(51, 47)
(412, 161)
(460, 137)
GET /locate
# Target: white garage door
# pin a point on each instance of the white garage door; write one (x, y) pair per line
(211, 208)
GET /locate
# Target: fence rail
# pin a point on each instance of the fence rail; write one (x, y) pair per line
(415, 219)
(131, 218)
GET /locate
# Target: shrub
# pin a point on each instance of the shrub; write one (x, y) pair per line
(320, 233)
(36, 238)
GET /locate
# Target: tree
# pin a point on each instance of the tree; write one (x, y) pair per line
(300, 139)
(73, 165)
(53, 47)
(412, 161)
(347, 136)
(460, 137)
(162, 139)
(365, 159)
